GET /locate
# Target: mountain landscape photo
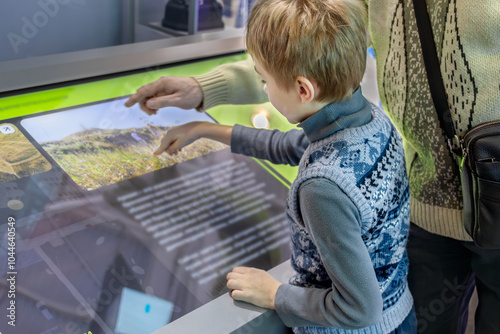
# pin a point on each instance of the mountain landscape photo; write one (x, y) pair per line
(94, 158)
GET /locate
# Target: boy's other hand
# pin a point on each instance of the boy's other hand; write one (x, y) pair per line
(168, 91)
(253, 286)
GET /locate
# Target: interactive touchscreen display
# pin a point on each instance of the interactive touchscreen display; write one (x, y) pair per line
(105, 143)
(106, 236)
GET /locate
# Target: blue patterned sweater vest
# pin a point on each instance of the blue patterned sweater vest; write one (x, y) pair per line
(368, 164)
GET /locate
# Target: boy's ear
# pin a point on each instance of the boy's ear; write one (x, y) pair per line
(305, 88)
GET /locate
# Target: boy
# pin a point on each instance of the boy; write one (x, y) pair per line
(349, 205)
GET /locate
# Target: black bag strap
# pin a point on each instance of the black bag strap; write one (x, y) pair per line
(433, 71)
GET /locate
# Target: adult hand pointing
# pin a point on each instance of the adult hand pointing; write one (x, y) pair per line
(168, 91)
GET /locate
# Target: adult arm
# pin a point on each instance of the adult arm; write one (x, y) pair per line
(235, 83)
(354, 299)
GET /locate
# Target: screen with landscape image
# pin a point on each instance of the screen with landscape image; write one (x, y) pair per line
(18, 157)
(99, 145)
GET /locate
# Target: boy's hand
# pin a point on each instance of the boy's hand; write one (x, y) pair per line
(178, 137)
(182, 92)
(253, 286)
(183, 135)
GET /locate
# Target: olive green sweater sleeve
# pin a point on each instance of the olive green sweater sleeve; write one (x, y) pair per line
(235, 83)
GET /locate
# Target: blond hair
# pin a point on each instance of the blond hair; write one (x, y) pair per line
(324, 40)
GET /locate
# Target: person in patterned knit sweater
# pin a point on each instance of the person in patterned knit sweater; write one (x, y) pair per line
(445, 264)
(349, 205)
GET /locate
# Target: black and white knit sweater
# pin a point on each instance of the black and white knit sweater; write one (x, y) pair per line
(467, 35)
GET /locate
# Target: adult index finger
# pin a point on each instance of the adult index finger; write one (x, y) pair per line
(142, 94)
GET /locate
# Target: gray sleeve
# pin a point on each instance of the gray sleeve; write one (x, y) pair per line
(273, 145)
(354, 299)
